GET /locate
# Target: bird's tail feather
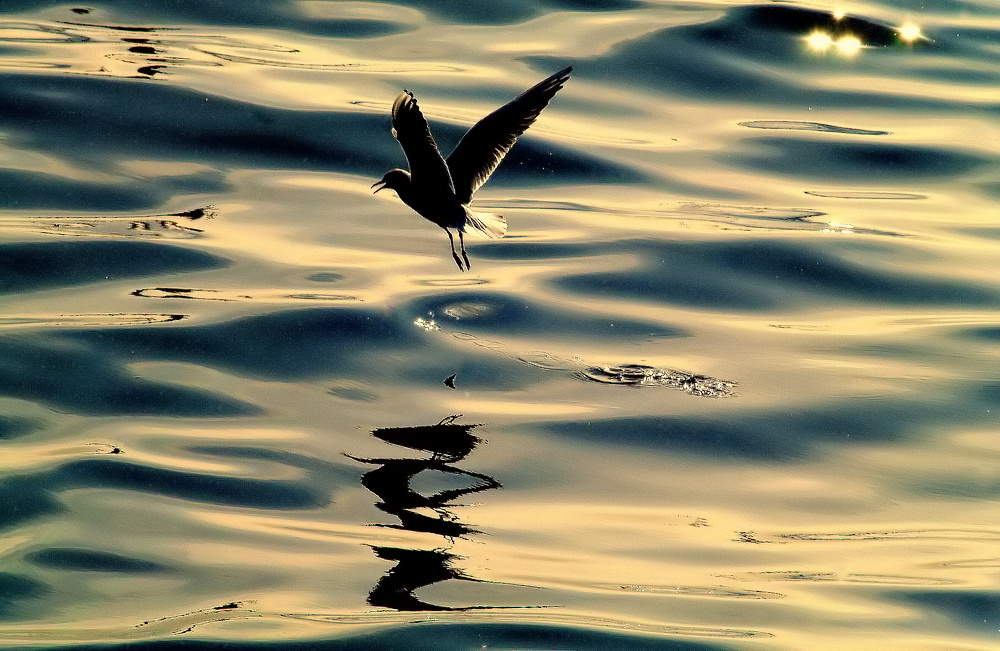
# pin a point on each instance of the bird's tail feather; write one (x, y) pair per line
(485, 224)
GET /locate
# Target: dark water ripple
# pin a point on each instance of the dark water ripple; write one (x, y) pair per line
(287, 15)
(774, 435)
(30, 497)
(86, 560)
(13, 427)
(15, 588)
(235, 491)
(124, 118)
(83, 381)
(289, 345)
(257, 13)
(484, 312)
(299, 345)
(33, 266)
(24, 189)
(837, 161)
(27, 499)
(965, 608)
(759, 275)
(444, 637)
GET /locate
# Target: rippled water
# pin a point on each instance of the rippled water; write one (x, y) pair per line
(728, 382)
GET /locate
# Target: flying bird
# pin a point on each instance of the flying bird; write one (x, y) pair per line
(440, 190)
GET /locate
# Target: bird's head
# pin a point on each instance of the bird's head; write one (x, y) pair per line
(393, 180)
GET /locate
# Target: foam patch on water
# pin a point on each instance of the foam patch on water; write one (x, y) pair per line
(863, 194)
(190, 293)
(795, 125)
(86, 320)
(638, 375)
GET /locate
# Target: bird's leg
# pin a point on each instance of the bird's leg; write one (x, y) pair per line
(454, 254)
(465, 256)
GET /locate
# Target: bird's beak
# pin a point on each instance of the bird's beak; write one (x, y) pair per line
(380, 184)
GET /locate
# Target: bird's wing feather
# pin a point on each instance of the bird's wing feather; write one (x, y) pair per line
(484, 146)
(427, 168)
(485, 224)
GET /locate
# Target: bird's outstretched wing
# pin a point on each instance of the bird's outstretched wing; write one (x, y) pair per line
(428, 169)
(484, 146)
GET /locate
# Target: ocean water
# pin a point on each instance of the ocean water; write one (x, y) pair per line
(732, 380)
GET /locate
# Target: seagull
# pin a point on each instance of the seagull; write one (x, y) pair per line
(440, 190)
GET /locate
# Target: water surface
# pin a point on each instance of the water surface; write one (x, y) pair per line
(730, 381)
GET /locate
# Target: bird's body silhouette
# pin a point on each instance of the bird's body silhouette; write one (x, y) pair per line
(440, 190)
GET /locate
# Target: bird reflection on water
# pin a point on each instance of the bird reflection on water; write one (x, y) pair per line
(448, 443)
(440, 190)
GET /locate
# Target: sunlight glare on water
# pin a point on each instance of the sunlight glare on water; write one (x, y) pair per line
(730, 380)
